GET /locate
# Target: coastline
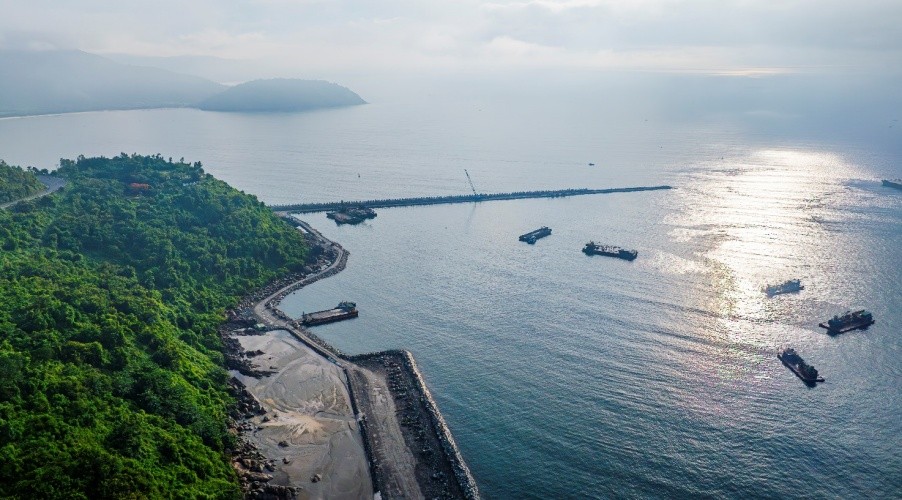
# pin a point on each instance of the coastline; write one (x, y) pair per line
(408, 447)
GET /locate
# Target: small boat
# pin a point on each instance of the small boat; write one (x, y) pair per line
(532, 236)
(785, 287)
(848, 321)
(804, 371)
(591, 164)
(593, 248)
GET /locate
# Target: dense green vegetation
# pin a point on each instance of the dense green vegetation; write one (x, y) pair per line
(16, 183)
(111, 378)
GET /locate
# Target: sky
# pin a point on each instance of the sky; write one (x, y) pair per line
(722, 37)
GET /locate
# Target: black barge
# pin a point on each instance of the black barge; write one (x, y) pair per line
(532, 236)
(593, 248)
(848, 322)
(352, 215)
(804, 371)
(344, 310)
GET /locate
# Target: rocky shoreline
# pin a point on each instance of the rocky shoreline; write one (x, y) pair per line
(409, 447)
(249, 463)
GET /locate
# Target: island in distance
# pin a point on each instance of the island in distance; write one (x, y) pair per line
(67, 81)
(281, 94)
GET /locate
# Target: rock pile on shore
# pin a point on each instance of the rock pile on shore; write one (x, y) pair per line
(250, 465)
(441, 471)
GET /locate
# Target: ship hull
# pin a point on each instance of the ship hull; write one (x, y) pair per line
(774, 293)
(340, 218)
(795, 369)
(332, 316)
(629, 257)
(532, 236)
(847, 328)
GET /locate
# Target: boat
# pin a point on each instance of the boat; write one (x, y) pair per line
(785, 287)
(591, 164)
(803, 370)
(344, 310)
(848, 321)
(352, 215)
(895, 183)
(593, 248)
(532, 236)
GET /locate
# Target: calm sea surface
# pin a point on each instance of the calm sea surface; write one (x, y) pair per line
(566, 376)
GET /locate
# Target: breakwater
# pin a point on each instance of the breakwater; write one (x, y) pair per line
(302, 208)
(423, 425)
(436, 468)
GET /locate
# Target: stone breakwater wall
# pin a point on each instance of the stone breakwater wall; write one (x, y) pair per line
(333, 260)
(465, 198)
(452, 454)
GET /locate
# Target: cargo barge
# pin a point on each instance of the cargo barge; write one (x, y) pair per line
(804, 371)
(593, 248)
(352, 215)
(344, 310)
(532, 236)
(895, 183)
(848, 322)
(785, 287)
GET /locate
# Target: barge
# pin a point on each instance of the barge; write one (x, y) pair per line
(848, 322)
(344, 310)
(785, 287)
(593, 248)
(352, 215)
(803, 370)
(532, 236)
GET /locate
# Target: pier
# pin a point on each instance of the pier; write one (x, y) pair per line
(303, 208)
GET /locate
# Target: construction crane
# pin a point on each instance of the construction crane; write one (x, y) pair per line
(471, 183)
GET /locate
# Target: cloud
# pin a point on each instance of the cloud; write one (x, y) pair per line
(728, 37)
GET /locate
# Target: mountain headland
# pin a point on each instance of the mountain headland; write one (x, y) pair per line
(50, 82)
(281, 94)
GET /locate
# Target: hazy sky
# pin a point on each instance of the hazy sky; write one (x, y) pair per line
(718, 36)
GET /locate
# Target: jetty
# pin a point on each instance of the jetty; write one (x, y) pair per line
(304, 208)
(408, 445)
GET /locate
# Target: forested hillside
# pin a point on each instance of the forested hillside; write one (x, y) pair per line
(16, 183)
(111, 378)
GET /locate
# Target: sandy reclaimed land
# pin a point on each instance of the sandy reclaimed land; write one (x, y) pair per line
(395, 464)
(307, 409)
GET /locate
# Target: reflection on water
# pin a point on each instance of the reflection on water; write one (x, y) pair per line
(567, 376)
(665, 367)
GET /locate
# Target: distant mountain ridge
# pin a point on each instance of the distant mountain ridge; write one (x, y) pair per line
(48, 82)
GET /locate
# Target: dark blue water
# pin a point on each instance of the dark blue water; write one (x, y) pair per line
(563, 375)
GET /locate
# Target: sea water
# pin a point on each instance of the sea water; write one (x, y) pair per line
(567, 376)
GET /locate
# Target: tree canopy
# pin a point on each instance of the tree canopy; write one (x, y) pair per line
(111, 372)
(16, 183)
